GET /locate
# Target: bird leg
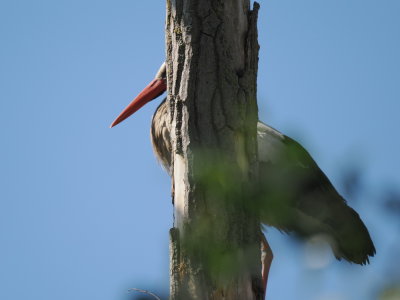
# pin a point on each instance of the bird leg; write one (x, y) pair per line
(266, 259)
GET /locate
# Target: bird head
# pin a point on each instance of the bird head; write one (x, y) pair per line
(155, 88)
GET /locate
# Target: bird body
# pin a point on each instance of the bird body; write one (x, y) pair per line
(294, 194)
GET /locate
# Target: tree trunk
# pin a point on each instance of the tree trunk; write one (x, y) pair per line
(212, 58)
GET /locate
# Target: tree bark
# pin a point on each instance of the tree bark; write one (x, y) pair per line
(212, 60)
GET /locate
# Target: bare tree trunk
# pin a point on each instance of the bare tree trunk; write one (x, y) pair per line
(212, 58)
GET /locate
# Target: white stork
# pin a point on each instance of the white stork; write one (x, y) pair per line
(307, 203)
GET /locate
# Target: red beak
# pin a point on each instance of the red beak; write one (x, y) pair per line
(150, 92)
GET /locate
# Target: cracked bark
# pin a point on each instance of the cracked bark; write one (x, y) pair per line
(212, 60)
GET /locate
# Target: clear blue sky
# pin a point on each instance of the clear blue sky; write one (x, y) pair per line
(85, 210)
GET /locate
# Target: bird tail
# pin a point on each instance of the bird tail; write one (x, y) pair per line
(348, 236)
(352, 239)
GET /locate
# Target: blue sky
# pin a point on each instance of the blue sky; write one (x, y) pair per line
(85, 210)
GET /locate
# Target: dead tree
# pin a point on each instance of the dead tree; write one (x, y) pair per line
(212, 58)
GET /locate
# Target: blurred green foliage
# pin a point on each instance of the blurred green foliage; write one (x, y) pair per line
(390, 293)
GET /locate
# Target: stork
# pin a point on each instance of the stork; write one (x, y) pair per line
(312, 207)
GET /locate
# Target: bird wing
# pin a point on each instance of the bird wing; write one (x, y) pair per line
(296, 196)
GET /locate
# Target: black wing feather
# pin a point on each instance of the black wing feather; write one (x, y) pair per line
(296, 196)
